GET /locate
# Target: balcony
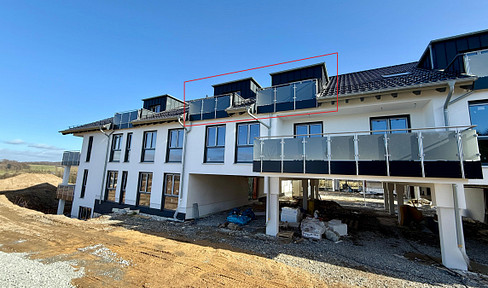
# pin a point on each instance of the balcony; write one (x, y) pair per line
(71, 158)
(122, 120)
(443, 152)
(471, 63)
(213, 107)
(65, 192)
(298, 95)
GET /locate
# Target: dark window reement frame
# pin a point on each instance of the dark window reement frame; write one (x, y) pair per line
(88, 151)
(477, 109)
(144, 189)
(215, 143)
(111, 185)
(245, 143)
(388, 122)
(171, 191)
(116, 148)
(123, 187)
(175, 145)
(148, 146)
(128, 143)
(308, 126)
(83, 183)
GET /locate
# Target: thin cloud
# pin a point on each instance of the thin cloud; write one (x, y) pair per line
(44, 146)
(28, 155)
(15, 142)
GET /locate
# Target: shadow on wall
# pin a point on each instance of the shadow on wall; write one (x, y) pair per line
(41, 197)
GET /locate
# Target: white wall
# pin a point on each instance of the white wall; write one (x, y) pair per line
(475, 204)
(215, 193)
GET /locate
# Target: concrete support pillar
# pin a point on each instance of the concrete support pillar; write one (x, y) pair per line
(61, 203)
(391, 198)
(305, 193)
(445, 199)
(273, 209)
(385, 196)
(417, 192)
(67, 170)
(400, 190)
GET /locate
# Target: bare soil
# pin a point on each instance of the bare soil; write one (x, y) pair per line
(113, 256)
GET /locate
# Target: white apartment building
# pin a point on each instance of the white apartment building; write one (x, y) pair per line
(420, 124)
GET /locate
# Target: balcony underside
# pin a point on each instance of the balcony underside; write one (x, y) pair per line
(432, 169)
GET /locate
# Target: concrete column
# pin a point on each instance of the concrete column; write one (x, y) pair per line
(273, 211)
(400, 190)
(445, 200)
(61, 203)
(305, 193)
(417, 192)
(66, 173)
(391, 198)
(385, 195)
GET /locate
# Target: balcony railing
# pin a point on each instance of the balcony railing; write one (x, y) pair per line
(65, 192)
(471, 63)
(71, 158)
(297, 95)
(213, 107)
(442, 152)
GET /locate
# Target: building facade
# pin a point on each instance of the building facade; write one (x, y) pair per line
(419, 124)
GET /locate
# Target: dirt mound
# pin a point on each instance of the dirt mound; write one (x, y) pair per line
(27, 180)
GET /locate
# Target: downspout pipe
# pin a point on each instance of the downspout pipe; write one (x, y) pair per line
(459, 233)
(257, 119)
(105, 163)
(183, 158)
(446, 103)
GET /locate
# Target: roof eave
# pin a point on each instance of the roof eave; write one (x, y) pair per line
(398, 89)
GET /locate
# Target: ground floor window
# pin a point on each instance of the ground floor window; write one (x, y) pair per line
(111, 186)
(144, 190)
(84, 213)
(171, 191)
(123, 187)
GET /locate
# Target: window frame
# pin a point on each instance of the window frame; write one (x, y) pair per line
(295, 125)
(169, 148)
(116, 149)
(237, 146)
(128, 143)
(216, 143)
(481, 138)
(83, 183)
(123, 187)
(89, 150)
(389, 117)
(139, 191)
(152, 148)
(111, 184)
(165, 186)
(155, 107)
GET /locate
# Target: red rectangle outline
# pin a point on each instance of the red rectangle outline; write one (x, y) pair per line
(260, 67)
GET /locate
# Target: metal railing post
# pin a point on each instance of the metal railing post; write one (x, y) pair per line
(282, 153)
(421, 151)
(460, 151)
(329, 145)
(274, 99)
(303, 153)
(387, 154)
(261, 156)
(356, 152)
(294, 97)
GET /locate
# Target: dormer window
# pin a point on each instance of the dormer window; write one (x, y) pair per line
(156, 108)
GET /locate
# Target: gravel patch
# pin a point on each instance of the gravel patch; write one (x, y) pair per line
(17, 270)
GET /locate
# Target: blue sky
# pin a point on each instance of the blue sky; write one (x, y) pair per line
(65, 63)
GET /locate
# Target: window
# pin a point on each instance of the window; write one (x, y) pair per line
(84, 213)
(215, 144)
(171, 191)
(305, 129)
(149, 146)
(115, 151)
(478, 112)
(175, 145)
(144, 193)
(155, 108)
(123, 187)
(390, 123)
(83, 184)
(88, 152)
(246, 133)
(127, 147)
(111, 186)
